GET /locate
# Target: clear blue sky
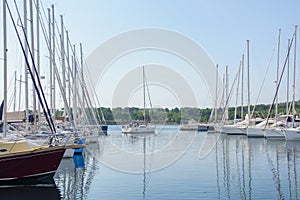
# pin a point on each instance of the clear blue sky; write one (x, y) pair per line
(220, 27)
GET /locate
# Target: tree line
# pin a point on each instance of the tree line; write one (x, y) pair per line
(182, 115)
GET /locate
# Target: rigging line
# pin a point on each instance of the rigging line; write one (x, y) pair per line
(58, 50)
(95, 93)
(89, 102)
(237, 90)
(28, 67)
(277, 88)
(56, 72)
(229, 96)
(148, 92)
(87, 98)
(35, 72)
(261, 87)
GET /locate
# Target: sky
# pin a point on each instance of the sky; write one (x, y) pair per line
(220, 28)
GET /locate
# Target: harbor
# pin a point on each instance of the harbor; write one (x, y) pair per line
(194, 100)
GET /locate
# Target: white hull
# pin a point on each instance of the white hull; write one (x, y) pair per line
(233, 130)
(274, 134)
(255, 132)
(292, 134)
(143, 129)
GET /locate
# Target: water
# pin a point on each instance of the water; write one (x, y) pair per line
(174, 165)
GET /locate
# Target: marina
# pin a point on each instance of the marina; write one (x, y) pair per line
(139, 109)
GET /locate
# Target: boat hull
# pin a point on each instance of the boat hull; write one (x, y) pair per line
(292, 134)
(147, 129)
(274, 134)
(233, 130)
(34, 165)
(255, 132)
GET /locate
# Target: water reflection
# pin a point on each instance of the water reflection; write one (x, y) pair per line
(236, 167)
(75, 175)
(147, 141)
(254, 166)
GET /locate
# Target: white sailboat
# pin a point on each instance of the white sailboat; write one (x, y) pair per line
(136, 127)
(240, 128)
(293, 133)
(280, 130)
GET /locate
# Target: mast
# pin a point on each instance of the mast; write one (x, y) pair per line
(26, 70)
(226, 92)
(5, 68)
(237, 93)
(216, 100)
(74, 85)
(38, 52)
(53, 60)
(242, 89)
(63, 64)
(144, 95)
(288, 81)
(294, 78)
(69, 72)
(50, 63)
(82, 79)
(248, 74)
(32, 50)
(223, 96)
(277, 75)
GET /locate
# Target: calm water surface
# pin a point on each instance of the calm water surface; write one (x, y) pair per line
(174, 165)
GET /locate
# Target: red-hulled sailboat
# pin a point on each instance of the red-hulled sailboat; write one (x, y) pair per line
(19, 161)
(22, 164)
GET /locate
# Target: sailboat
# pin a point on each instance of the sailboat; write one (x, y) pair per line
(281, 129)
(21, 163)
(136, 127)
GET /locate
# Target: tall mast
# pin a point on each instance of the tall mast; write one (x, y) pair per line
(144, 95)
(226, 92)
(69, 72)
(32, 50)
(53, 60)
(63, 63)
(294, 78)
(38, 51)
(288, 81)
(26, 70)
(50, 63)
(82, 79)
(248, 74)
(74, 85)
(242, 89)
(237, 93)
(216, 100)
(277, 75)
(5, 68)
(223, 96)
